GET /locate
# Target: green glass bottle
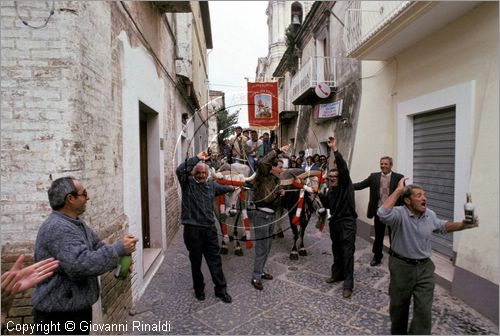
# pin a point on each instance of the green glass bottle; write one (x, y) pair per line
(123, 267)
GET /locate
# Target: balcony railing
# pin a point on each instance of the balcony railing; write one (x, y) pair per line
(313, 71)
(365, 18)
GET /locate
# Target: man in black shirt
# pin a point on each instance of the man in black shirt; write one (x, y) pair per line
(339, 198)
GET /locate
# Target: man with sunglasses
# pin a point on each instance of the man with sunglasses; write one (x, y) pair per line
(71, 292)
(339, 198)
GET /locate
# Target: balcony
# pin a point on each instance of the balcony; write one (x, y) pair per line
(173, 6)
(315, 70)
(379, 30)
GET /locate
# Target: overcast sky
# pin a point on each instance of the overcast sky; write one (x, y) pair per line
(239, 35)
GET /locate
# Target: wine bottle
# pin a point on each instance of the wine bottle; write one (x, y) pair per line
(123, 267)
(469, 210)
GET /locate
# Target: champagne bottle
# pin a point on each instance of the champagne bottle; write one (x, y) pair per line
(469, 210)
(123, 267)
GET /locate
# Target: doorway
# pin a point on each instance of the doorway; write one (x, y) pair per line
(150, 170)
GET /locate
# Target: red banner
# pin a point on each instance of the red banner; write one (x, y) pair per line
(263, 104)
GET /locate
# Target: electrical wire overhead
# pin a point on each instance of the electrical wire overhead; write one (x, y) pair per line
(25, 21)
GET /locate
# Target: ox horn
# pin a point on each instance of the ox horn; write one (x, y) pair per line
(215, 174)
(251, 177)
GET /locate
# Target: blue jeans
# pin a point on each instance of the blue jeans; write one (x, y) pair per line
(252, 162)
(263, 224)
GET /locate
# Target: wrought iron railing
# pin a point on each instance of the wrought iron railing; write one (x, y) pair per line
(313, 71)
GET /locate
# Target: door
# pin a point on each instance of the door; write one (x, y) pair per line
(143, 130)
(434, 167)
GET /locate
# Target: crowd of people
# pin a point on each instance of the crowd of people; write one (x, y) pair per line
(393, 204)
(69, 255)
(246, 147)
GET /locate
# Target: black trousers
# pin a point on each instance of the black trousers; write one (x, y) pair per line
(203, 242)
(62, 323)
(378, 244)
(343, 236)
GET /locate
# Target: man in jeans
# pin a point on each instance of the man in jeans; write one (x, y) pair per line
(410, 266)
(266, 196)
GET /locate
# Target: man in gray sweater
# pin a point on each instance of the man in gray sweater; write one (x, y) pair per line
(71, 292)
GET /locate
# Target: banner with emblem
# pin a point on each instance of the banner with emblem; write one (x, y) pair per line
(263, 104)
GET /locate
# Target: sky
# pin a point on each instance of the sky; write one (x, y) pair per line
(240, 37)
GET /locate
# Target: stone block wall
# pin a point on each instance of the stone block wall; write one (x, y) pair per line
(61, 111)
(58, 120)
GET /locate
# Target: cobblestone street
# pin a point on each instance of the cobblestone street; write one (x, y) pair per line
(297, 301)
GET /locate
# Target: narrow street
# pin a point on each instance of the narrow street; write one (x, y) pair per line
(297, 301)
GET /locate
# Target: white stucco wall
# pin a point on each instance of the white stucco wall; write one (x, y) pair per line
(378, 127)
(465, 52)
(140, 83)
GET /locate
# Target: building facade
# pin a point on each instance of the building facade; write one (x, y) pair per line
(280, 14)
(95, 93)
(392, 89)
(440, 122)
(317, 57)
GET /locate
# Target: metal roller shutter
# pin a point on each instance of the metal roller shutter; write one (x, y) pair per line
(434, 167)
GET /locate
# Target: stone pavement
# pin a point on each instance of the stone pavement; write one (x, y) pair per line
(297, 301)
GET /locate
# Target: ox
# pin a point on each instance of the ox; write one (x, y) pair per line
(301, 201)
(233, 204)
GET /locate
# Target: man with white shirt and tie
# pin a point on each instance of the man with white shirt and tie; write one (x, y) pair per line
(381, 184)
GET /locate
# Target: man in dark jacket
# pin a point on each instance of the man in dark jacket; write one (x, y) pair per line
(200, 233)
(381, 185)
(339, 198)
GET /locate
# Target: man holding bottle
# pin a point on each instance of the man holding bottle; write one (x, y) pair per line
(82, 255)
(410, 266)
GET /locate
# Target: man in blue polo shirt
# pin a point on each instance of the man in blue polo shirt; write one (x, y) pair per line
(412, 270)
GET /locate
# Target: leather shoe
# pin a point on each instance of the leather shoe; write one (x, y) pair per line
(200, 295)
(225, 297)
(346, 293)
(267, 276)
(257, 284)
(333, 280)
(375, 262)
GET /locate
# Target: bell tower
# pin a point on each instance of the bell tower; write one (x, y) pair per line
(280, 14)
